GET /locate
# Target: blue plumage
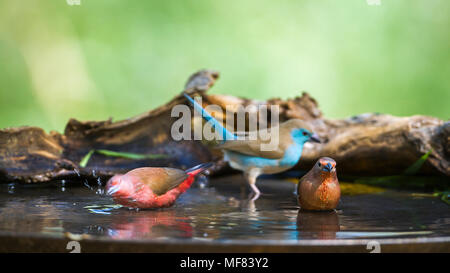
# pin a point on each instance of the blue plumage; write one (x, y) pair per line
(207, 116)
(248, 155)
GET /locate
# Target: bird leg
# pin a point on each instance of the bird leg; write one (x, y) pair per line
(251, 177)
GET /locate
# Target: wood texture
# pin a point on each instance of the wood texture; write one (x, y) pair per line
(367, 144)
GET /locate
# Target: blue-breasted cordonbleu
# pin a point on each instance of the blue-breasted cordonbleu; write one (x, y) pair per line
(249, 156)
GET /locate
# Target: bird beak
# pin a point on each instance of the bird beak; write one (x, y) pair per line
(328, 167)
(113, 190)
(315, 138)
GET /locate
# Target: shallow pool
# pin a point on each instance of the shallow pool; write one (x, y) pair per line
(219, 213)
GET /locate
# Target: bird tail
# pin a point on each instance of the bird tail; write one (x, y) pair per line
(192, 172)
(227, 135)
(199, 169)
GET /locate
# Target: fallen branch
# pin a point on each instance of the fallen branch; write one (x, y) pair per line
(367, 144)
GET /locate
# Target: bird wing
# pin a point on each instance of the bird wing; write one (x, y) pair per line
(255, 148)
(159, 180)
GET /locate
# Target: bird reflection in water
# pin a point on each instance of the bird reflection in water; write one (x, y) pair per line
(317, 224)
(149, 224)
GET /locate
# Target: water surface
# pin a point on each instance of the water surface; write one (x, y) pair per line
(219, 212)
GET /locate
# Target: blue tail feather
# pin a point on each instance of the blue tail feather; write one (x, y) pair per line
(227, 135)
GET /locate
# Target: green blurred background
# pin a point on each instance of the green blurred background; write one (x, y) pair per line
(110, 58)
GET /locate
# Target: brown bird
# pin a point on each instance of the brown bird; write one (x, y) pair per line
(319, 188)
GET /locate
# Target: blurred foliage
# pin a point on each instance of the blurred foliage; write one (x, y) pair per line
(111, 58)
(356, 189)
(84, 161)
(408, 180)
(422, 183)
(415, 167)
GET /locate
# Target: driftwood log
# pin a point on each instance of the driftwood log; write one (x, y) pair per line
(367, 144)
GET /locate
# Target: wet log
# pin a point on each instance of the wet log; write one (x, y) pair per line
(370, 144)
(367, 144)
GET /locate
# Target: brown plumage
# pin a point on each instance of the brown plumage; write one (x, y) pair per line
(319, 188)
(253, 146)
(160, 180)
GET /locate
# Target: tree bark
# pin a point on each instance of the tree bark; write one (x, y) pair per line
(367, 144)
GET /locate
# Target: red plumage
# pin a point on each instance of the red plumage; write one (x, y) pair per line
(151, 187)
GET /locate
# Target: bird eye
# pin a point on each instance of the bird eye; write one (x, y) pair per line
(305, 133)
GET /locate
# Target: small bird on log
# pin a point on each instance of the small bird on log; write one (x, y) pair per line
(247, 154)
(151, 187)
(319, 188)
